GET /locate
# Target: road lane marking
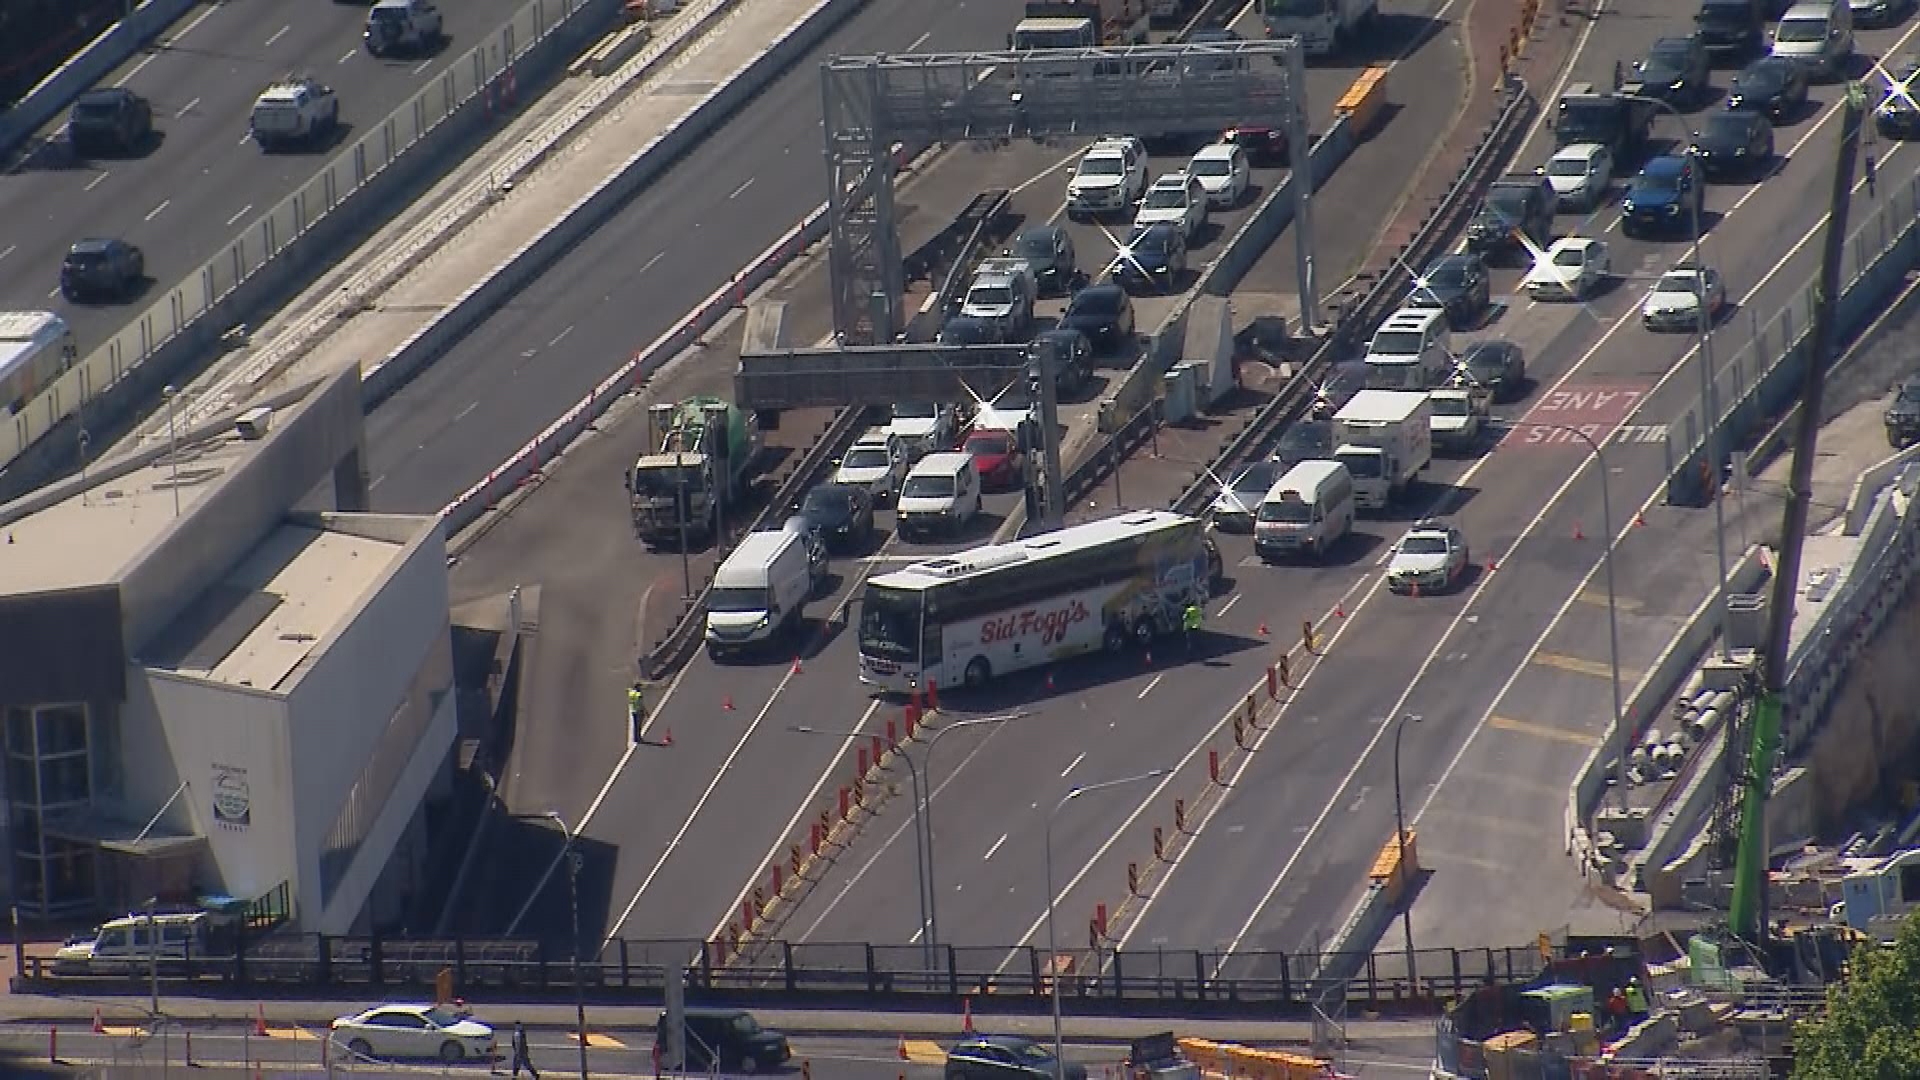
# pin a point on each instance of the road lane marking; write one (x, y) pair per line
(744, 185)
(278, 34)
(1140, 917)
(561, 336)
(350, 54)
(596, 1041)
(158, 210)
(53, 293)
(11, 248)
(98, 180)
(923, 1052)
(1542, 731)
(995, 847)
(919, 41)
(464, 413)
(1151, 683)
(1228, 606)
(422, 66)
(650, 262)
(185, 109)
(161, 47)
(240, 213)
(1074, 764)
(1580, 665)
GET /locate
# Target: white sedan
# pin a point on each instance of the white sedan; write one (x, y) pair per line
(1674, 303)
(1571, 269)
(1223, 171)
(414, 1031)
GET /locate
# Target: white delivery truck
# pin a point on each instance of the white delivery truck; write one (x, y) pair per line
(1384, 438)
(759, 592)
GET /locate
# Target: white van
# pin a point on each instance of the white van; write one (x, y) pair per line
(1817, 35)
(1306, 512)
(942, 494)
(122, 946)
(759, 592)
(1412, 350)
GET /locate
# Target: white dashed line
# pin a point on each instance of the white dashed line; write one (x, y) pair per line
(185, 109)
(97, 181)
(278, 34)
(743, 187)
(156, 211)
(238, 214)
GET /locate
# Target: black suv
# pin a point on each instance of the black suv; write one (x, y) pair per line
(1006, 1057)
(101, 269)
(1735, 142)
(1048, 252)
(1514, 206)
(729, 1039)
(1675, 71)
(1772, 86)
(1903, 415)
(1731, 29)
(115, 120)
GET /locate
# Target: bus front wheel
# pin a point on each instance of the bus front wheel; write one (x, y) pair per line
(1143, 631)
(1115, 640)
(978, 672)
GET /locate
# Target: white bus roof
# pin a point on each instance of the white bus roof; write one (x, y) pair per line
(1051, 545)
(24, 333)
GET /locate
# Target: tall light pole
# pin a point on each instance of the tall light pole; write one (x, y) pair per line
(153, 958)
(573, 898)
(1400, 835)
(919, 842)
(925, 810)
(1053, 939)
(1710, 413)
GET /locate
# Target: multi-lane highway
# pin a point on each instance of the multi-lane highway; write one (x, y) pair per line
(200, 181)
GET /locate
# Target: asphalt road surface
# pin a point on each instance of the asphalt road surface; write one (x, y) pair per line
(200, 180)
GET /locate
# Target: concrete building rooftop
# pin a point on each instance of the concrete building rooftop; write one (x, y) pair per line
(260, 623)
(92, 536)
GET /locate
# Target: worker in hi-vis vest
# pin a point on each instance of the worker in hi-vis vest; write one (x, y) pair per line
(637, 708)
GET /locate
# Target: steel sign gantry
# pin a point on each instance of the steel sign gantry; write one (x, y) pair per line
(873, 104)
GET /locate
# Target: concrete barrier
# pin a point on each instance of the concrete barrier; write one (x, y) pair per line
(594, 209)
(1866, 489)
(112, 48)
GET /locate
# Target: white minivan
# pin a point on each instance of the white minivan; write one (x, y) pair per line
(1306, 512)
(760, 591)
(942, 494)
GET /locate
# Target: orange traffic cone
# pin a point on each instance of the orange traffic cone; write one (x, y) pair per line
(902, 1048)
(259, 1021)
(1492, 566)
(99, 1024)
(1049, 681)
(667, 739)
(1340, 610)
(1639, 519)
(1263, 630)
(726, 703)
(1577, 534)
(966, 1016)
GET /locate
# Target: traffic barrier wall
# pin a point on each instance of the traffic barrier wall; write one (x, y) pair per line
(1762, 379)
(112, 48)
(1866, 488)
(594, 209)
(273, 256)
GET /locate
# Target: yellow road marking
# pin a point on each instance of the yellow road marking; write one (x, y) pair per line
(925, 1052)
(1598, 598)
(296, 1034)
(1523, 727)
(1582, 666)
(123, 1032)
(598, 1041)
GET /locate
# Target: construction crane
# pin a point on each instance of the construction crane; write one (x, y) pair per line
(1747, 913)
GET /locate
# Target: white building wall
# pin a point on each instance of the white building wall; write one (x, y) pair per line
(229, 744)
(380, 685)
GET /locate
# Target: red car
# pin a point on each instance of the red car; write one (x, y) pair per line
(998, 458)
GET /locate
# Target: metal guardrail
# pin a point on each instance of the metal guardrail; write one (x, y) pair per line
(267, 257)
(672, 649)
(1014, 978)
(1439, 228)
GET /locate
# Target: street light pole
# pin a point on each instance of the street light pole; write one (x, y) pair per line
(153, 958)
(1400, 834)
(1710, 413)
(1053, 939)
(925, 812)
(573, 898)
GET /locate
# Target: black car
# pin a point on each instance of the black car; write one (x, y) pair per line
(1102, 312)
(1305, 440)
(726, 1040)
(1868, 14)
(1733, 142)
(1731, 28)
(1266, 147)
(1154, 256)
(1499, 366)
(972, 330)
(840, 514)
(114, 120)
(1898, 116)
(1515, 206)
(1773, 86)
(1675, 71)
(1903, 415)
(1457, 284)
(1074, 355)
(102, 270)
(1007, 1057)
(1048, 252)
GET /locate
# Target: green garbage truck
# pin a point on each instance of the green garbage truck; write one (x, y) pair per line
(708, 453)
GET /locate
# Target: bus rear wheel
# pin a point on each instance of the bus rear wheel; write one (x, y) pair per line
(1115, 639)
(1144, 631)
(977, 673)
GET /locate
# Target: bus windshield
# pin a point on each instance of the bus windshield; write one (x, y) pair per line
(890, 623)
(1293, 9)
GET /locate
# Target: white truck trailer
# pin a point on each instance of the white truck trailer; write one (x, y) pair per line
(1384, 438)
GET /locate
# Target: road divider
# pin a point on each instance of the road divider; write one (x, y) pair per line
(276, 254)
(114, 46)
(593, 210)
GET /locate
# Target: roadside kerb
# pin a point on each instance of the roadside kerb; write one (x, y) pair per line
(275, 255)
(113, 47)
(593, 210)
(466, 206)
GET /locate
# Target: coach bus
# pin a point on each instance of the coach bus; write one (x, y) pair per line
(962, 619)
(36, 348)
